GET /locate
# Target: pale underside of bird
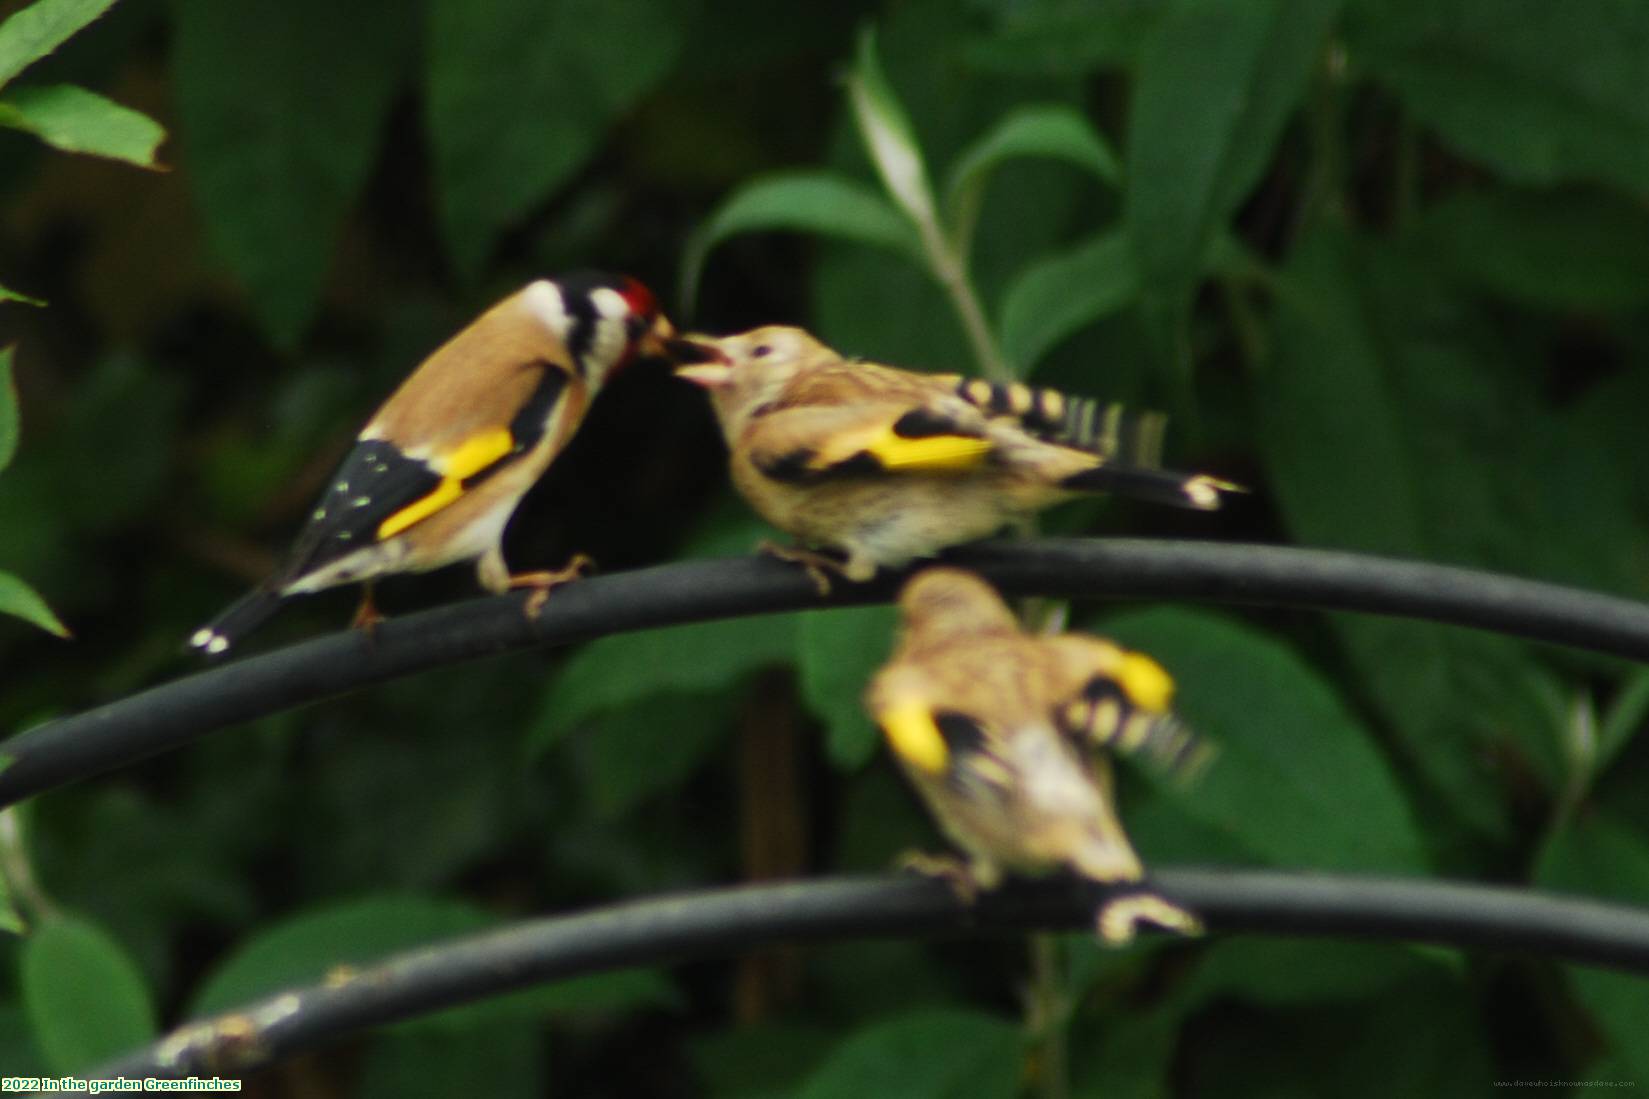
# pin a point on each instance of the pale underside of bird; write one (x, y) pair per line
(885, 465)
(435, 475)
(1004, 736)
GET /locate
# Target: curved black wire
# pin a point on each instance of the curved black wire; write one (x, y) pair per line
(174, 713)
(728, 921)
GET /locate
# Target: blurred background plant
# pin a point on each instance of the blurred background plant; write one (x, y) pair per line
(1386, 261)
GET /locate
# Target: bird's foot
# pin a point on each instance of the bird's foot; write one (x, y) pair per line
(545, 581)
(819, 566)
(953, 871)
(367, 616)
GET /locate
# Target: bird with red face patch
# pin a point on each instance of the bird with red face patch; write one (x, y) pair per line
(437, 472)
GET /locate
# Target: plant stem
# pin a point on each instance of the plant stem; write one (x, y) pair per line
(1048, 1017)
(946, 265)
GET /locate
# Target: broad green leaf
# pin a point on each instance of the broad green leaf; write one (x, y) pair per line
(652, 744)
(823, 202)
(837, 652)
(305, 948)
(1216, 83)
(1064, 37)
(1050, 130)
(84, 996)
(1283, 972)
(1539, 92)
(10, 419)
(1057, 296)
(1568, 249)
(40, 28)
(24, 299)
(756, 1059)
(1387, 428)
(625, 669)
(1595, 855)
(21, 601)
(1331, 800)
(79, 121)
(930, 1054)
(888, 135)
(521, 93)
(278, 139)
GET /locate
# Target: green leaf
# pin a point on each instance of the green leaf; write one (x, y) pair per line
(888, 135)
(653, 744)
(827, 203)
(12, 295)
(1622, 720)
(837, 652)
(10, 419)
(1387, 428)
(1567, 249)
(278, 140)
(1331, 801)
(756, 1059)
(1057, 296)
(40, 28)
(929, 1054)
(1052, 130)
(700, 658)
(1064, 37)
(304, 948)
(1217, 82)
(78, 121)
(1539, 92)
(21, 601)
(1596, 855)
(85, 998)
(521, 93)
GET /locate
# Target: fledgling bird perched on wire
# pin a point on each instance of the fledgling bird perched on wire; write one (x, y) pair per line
(886, 465)
(1002, 731)
(436, 473)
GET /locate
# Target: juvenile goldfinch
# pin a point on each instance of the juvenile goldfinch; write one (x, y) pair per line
(886, 465)
(436, 473)
(999, 729)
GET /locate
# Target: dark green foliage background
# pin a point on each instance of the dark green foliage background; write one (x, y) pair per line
(1387, 261)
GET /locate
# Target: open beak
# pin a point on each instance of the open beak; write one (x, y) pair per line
(655, 343)
(701, 362)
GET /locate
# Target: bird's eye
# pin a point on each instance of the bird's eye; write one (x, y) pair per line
(761, 351)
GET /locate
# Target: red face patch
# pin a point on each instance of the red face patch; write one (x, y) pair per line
(639, 298)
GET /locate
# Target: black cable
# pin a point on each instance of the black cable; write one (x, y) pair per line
(731, 921)
(174, 713)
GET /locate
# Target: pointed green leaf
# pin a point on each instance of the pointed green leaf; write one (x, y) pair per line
(10, 420)
(278, 139)
(888, 135)
(1624, 718)
(40, 28)
(837, 653)
(21, 601)
(928, 1054)
(1569, 249)
(24, 299)
(84, 996)
(1050, 130)
(826, 203)
(78, 121)
(1540, 92)
(1596, 855)
(521, 93)
(1217, 82)
(1057, 296)
(1331, 800)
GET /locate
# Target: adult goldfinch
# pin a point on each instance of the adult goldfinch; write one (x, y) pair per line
(999, 731)
(886, 465)
(438, 470)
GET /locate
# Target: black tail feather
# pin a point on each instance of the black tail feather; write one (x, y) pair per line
(1159, 486)
(241, 617)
